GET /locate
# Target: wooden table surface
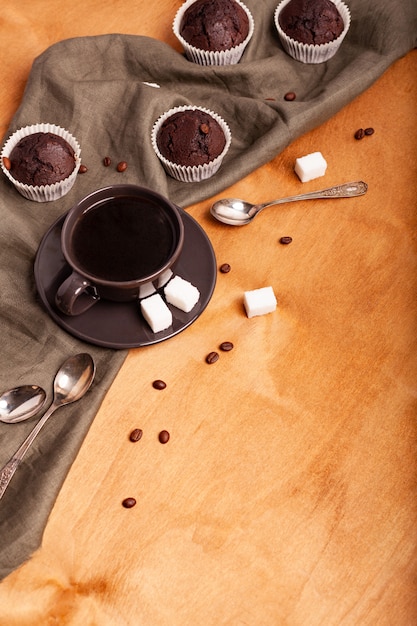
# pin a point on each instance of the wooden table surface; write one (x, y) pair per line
(287, 492)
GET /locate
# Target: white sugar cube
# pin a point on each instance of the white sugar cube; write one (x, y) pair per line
(156, 313)
(310, 166)
(182, 294)
(259, 301)
(164, 278)
(146, 290)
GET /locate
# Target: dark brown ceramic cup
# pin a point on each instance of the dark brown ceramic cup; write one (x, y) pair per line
(115, 240)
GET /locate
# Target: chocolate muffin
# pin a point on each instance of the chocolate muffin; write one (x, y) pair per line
(42, 158)
(215, 24)
(191, 142)
(314, 22)
(191, 137)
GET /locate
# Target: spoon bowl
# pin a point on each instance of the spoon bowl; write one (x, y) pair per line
(21, 403)
(237, 212)
(72, 381)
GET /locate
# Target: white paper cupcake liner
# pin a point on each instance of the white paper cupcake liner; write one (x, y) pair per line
(191, 173)
(206, 57)
(310, 53)
(42, 193)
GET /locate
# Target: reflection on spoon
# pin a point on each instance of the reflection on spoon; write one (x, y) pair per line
(21, 403)
(239, 212)
(72, 381)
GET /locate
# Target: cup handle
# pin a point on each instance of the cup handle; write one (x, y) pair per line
(76, 295)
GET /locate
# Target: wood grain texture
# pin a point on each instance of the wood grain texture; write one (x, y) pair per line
(287, 492)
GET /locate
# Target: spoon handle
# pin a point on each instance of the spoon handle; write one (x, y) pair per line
(8, 470)
(348, 190)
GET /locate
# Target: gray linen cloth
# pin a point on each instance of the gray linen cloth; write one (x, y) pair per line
(95, 88)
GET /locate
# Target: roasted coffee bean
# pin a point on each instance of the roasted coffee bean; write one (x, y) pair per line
(225, 268)
(83, 169)
(122, 166)
(159, 384)
(6, 163)
(136, 434)
(360, 133)
(212, 357)
(290, 96)
(369, 131)
(128, 503)
(163, 436)
(226, 346)
(107, 161)
(204, 128)
(285, 240)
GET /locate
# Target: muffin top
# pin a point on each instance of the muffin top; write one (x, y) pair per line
(41, 159)
(190, 137)
(311, 21)
(214, 25)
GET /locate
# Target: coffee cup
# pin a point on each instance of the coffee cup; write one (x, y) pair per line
(115, 240)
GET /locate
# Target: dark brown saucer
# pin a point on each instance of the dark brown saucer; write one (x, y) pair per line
(121, 325)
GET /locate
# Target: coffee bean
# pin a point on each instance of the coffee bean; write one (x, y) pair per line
(212, 357)
(369, 131)
(122, 166)
(226, 346)
(360, 133)
(163, 436)
(107, 161)
(83, 169)
(290, 96)
(285, 240)
(225, 268)
(136, 434)
(6, 162)
(159, 384)
(128, 503)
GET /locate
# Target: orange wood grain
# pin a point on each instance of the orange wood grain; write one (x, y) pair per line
(287, 492)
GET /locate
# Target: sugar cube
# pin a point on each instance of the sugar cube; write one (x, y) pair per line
(310, 166)
(259, 301)
(164, 277)
(146, 290)
(156, 313)
(181, 293)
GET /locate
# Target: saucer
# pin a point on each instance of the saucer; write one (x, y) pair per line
(121, 325)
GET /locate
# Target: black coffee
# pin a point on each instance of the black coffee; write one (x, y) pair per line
(123, 239)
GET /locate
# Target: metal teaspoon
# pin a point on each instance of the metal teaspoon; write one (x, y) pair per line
(239, 212)
(21, 403)
(72, 381)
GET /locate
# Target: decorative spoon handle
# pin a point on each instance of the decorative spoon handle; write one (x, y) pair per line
(8, 470)
(348, 190)
(7, 473)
